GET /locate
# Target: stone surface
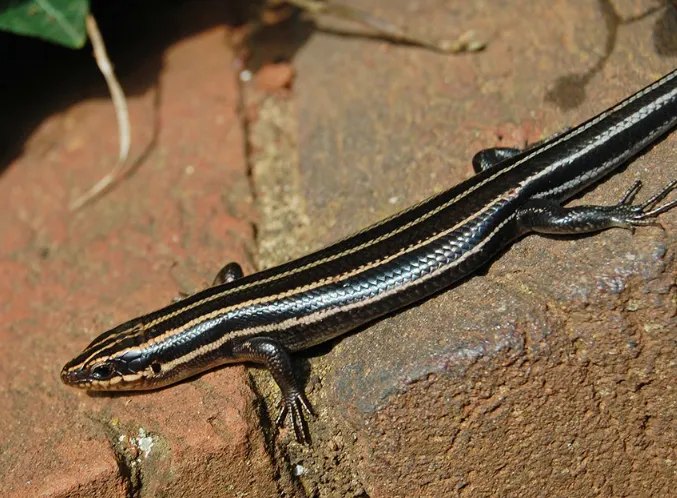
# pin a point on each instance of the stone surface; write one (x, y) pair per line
(184, 212)
(275, 77)
(551, 374)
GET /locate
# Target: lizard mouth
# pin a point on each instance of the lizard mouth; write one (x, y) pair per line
(75, 378)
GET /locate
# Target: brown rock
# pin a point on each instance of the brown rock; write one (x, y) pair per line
(551, 375)
(275, 77)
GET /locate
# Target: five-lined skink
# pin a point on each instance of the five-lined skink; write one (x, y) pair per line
(264, 317)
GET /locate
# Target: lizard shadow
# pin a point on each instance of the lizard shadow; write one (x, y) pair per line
(45, 79)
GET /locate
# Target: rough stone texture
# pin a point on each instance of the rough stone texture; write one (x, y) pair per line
(552, 375)
(184, 212)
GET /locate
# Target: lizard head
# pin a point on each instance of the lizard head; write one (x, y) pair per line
(114, 361)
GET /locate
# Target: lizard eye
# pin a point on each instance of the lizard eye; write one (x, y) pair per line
(102, 372)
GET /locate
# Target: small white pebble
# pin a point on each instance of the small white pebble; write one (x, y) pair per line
(146, 445)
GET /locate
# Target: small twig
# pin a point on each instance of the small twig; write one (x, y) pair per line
(465, 43)
(121, 112)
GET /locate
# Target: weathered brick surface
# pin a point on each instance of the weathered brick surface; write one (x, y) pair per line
(553, 374)
(550, 375)
(184, 212)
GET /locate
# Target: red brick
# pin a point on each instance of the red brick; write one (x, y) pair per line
(68, 276)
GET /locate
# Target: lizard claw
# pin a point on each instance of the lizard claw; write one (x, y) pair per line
(630, 216)
(294, 404)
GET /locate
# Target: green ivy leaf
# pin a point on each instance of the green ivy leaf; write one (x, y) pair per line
(59, 21)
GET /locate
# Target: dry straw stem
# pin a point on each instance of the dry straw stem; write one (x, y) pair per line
(121, 112)
(464, 43)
